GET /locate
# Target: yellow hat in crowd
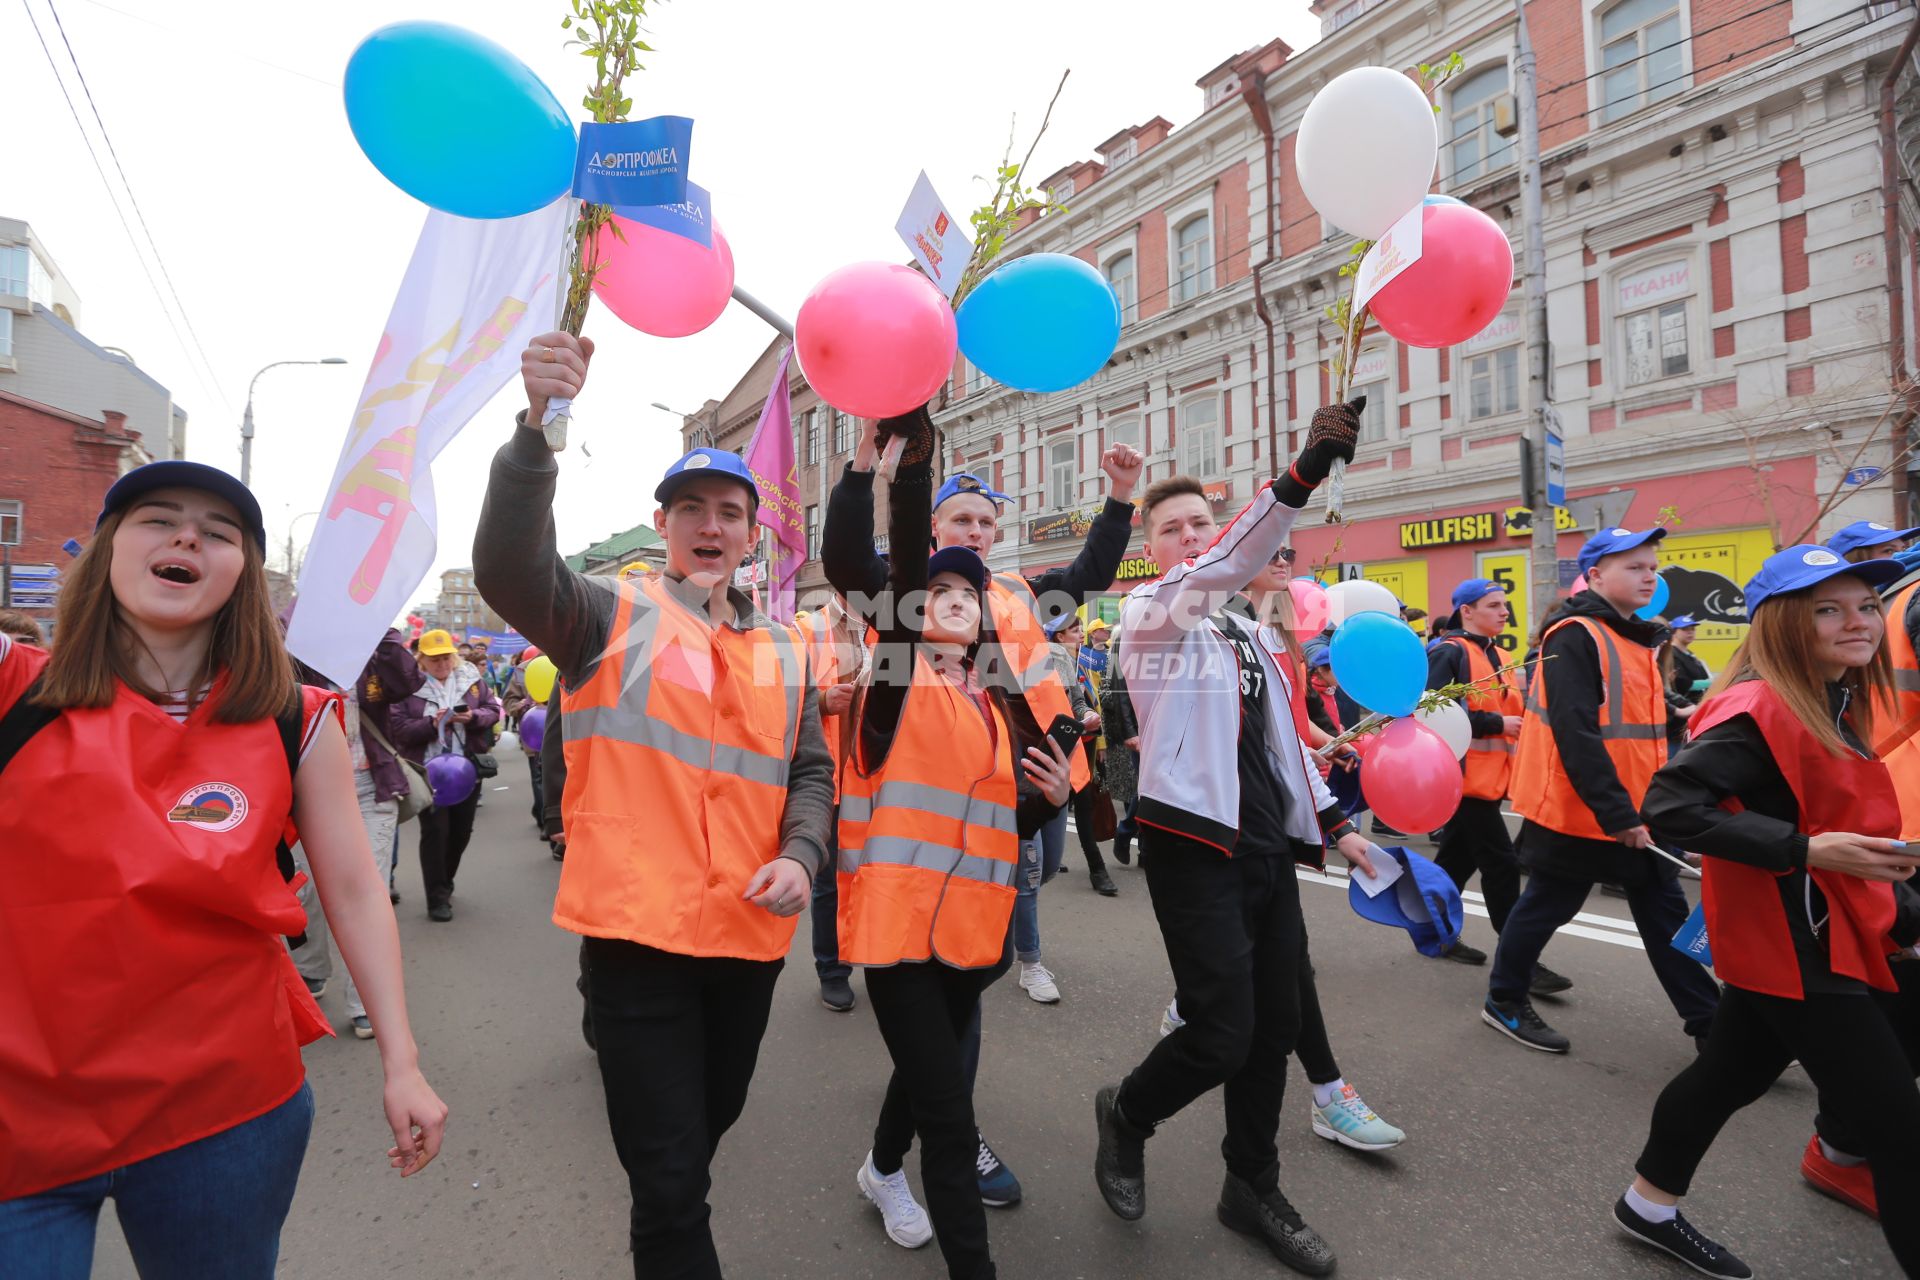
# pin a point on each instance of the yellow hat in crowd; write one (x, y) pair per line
(434, 643)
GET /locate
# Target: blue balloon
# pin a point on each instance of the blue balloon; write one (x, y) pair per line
(457, 122)
(1380, 663)
(1043, 322)
(1658, 605)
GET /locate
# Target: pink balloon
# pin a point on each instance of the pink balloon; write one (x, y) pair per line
(1411, 780)
(1579, 584)
(875, 339)
(662, 283)
(1456, 288)
(1310, 607)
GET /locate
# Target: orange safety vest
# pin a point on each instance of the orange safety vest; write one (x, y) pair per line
(1633, 723)
(1028, 658)
(677, 748)
(1489, 761)
(1899, 724)
(831, 666)
(928, 844)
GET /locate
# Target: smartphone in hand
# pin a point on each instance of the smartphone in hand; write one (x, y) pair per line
(1065, 731)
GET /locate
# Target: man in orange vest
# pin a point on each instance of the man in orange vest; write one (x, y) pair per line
(697, 803)
(1467, 652)
(1592, 735)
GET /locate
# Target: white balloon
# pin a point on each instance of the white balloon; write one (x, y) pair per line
(1366, 150)
(1358, 595)
(1451, 723)
(509, 741)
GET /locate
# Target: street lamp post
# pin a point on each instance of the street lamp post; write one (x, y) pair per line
(712, 432)
(246, 422)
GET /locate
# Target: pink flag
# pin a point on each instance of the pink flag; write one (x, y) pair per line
(770, 458)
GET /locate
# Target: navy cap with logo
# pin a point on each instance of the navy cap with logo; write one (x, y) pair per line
(177, 474)
(1867, 533)
(1808, 565)
(963, 482)
(1611, 542)
(964, 561)
(1474, 590)
(705, 462)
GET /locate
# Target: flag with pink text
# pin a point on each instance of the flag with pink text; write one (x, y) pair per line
(474, 293)
(770, 458)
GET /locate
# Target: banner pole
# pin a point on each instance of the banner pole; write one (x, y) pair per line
(761, 309)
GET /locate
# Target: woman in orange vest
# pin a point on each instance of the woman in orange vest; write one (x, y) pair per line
(1804, 896)
(945, 776)
(151, 773)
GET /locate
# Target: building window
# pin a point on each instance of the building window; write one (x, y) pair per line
(12, 513)
(6, 332)
(1125, 287)
(1200, 439)
(1477, 149)
(842, 433)
(1220, 90)
(1121, 154)
(813, 436)
(1657, 343)
(1493, 383)
(1124, 431)
(14, 269)
(1639, 55)
(1193, 258)
(1060, 474)
(1373, 418)
(976, 380)
(1061, 189)
(813, 532)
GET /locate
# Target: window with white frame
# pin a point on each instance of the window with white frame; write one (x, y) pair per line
(813, 436)
(813, 532)
(1639, 55)
(1220, 90)
(1493, 383)
(842, 433)
(1060, 469)
(1121, 154)
(1193, 258)
(976, 380)
(1657, 343)
(1200, 439)
(1061, 189)
(1124, 431)
(1373, 418)
(14, 269)
(12, 513)
(1120, 275)
(1475, 147)
(6, 333)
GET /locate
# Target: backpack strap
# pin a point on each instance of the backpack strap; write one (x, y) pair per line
(290, 722)
(22, 720)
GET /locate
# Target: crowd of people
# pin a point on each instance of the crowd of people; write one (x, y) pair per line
(904, 764)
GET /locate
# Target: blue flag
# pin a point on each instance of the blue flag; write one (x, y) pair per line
(692, 217)
(634, 162)
(1691, 941)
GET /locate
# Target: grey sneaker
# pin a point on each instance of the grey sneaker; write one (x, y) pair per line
(362, 1028)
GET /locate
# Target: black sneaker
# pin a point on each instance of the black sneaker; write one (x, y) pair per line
(440, 912)
(1120, 1161)
(1517, 1020)
(1271, 1219)
(1102, 882)
(837, 994)
(1548, 983)
(1123, 852)
(1684, 1241)
(1461, 953)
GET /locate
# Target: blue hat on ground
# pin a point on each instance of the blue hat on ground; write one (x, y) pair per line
(1424, 901)
(1810, 564)
(1682, 622)
(185, 475)
(705, 462)
(964, 561)
(1611, 542)
(963, 482)
(1867, 533)
(1474, 590)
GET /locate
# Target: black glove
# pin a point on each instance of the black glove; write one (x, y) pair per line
(1330, 438)
(921, 436)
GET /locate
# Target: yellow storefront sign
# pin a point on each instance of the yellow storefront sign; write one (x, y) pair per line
(1407, 579)
(1705, 573)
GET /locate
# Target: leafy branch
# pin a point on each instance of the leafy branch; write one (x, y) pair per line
(996, 220)
(608, 31)
(1431, 700)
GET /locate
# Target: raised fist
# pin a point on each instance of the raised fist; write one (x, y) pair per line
(1331, 438)
(919, 432)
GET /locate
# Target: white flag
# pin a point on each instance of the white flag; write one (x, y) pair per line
(475, 291)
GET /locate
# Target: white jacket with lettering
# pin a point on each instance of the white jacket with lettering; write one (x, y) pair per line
(1184, 680)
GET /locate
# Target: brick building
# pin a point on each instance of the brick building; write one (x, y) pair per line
(460, 609)
(1719, 298)
(55, 470)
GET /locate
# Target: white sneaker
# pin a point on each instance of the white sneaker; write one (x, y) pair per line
(1171, 1021)
(906, 1222)
(1038, 983)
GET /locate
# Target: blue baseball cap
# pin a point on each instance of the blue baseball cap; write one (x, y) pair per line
(1424, 901)
(1611, 542)
(1866, 533)
(185, 475)
(706, 462)
(1682, 622)
(1474, 590)
(1317, 653)
(964, 482)
(1810, 564)
(964, 561)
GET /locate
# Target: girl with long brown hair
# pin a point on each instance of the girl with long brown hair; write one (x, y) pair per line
(1804, 896)
(152, 772)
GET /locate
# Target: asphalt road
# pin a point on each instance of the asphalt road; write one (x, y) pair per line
(1511, 1165)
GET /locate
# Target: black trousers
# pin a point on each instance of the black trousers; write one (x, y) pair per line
(1312, 1048)
(444, 833)
(1658, 908)
(1234, 937)
(1476, 839)
(678, 1037)
(1902, 1008)
(1852, 1053)
(1083, 803)
(535, 772)
(924, 1011)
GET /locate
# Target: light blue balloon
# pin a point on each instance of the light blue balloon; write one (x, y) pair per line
(1380, 663)
(1043, 322)
(1658, 605)
(457, 122)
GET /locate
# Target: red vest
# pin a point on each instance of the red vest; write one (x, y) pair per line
(1746, 919)
(146, 996)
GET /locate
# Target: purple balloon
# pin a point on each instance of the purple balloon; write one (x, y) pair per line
(451, 779)
(533, 728)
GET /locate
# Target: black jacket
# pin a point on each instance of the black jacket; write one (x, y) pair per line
(1447, 664)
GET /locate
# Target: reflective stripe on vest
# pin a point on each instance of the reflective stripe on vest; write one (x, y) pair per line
(1487, 770)
(1028, 657)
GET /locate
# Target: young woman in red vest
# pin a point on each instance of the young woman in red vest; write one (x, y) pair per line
(943, 779)
(1804, 894)
(150, 1019)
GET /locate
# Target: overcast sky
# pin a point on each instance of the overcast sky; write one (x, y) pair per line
(811, 122)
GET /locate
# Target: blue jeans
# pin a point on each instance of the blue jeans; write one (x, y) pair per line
(211, 1210)
(826, 917)
(1039, 863)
